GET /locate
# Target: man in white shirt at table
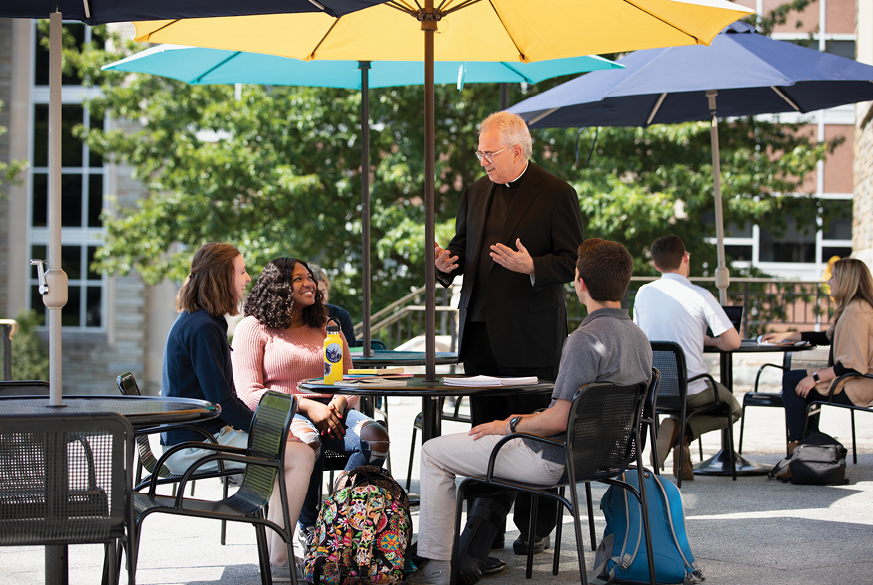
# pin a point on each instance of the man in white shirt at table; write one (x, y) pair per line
(673, 309)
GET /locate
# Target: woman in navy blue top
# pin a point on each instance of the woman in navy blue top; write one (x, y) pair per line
(197, 364)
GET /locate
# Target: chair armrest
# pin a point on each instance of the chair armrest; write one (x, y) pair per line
(182, 426)
(712, 381)
(220, 455)
(761, 369)
(492, 459)
(837, 380)
(153, 481)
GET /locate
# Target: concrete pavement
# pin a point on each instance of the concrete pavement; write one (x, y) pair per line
(749, 531)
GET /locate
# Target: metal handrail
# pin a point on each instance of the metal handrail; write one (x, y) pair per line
(797, 305)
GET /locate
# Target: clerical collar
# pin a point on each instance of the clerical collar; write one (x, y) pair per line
(514, 184)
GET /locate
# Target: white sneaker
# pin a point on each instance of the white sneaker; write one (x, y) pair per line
(306, 537)
(427, 576)
(283, 574)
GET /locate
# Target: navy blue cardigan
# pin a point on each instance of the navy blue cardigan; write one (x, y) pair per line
(197, 365)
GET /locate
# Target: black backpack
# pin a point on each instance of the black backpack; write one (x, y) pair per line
(818, 459)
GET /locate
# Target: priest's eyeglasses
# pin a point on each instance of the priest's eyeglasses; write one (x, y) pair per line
(489, 156)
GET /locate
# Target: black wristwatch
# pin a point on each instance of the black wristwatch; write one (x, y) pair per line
(814, 377)
(513, 422)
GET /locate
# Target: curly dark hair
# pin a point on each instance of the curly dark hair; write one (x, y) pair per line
(271, 301)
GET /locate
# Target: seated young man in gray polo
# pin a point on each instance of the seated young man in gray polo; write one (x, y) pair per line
(607, 347)
(673, 309)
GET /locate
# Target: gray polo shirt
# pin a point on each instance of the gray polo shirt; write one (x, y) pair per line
(607, 347)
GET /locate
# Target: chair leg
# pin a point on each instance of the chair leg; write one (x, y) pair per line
(700, 446)
(588, 498)
(264, 556)
(742, 421)
(531, 533)
(577, 527)
(644, 505)
(854, 446)
(459, 508)
(681, 459)
(411, 455)
(110, 576)
(226, 480)
(653, 439)
(558, 526)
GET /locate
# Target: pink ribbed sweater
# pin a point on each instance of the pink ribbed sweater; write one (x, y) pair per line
(265, 359)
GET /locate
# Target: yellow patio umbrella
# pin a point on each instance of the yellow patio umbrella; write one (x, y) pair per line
(457, 30)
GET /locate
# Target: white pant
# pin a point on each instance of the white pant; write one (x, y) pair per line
(446, 457)
(180, 461)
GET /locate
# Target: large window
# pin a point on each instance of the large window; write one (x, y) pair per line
(82, 192)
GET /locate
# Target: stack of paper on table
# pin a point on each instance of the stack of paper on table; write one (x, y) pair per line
(762, 342)
(490, 381)
(377, 371)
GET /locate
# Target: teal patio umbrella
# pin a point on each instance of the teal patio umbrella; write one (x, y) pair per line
(201, 66)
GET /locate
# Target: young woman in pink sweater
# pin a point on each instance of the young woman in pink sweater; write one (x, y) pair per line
(279, 344)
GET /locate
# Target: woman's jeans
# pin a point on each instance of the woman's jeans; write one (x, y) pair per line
(350, 444)
(795, 406)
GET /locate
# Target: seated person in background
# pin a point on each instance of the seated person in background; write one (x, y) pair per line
(673, 309)
(197, 364)
(280, 343)
(607, 347)
(851, 339)
(334, 312)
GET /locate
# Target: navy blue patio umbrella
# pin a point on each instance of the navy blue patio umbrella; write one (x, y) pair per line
(53, 282)
(742, 73)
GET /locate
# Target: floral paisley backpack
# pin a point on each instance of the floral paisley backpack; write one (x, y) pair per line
(362, 531)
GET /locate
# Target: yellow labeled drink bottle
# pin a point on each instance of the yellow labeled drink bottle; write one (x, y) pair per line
(333, 354)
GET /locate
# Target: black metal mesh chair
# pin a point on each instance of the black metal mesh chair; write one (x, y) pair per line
(453, 415)
(669, 359)
(791, 360)
(603, 440)
(146, 458)
(65, 479)
(814, 409)
(264, 460)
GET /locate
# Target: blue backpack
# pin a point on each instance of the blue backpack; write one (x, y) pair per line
(621, 555)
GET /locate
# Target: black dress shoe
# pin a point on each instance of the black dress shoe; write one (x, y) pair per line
(498, 542)
(493, 565)
(540, 544)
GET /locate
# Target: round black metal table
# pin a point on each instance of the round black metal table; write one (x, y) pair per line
(720, 464)
(430, 393)
(141, 411)
(390, 357)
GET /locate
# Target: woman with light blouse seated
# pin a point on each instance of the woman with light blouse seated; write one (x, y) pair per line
(851, 339)
(280, 343)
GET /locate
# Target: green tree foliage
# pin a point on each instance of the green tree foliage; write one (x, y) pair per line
(278, 172)
(11, 169)
(29, 354)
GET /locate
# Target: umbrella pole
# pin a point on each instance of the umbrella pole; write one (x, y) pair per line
(364, 66)
(429, 25)
(56, 296)
(430, 416)
(722, 275)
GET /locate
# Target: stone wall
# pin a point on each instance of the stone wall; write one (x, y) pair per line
(862, 223)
